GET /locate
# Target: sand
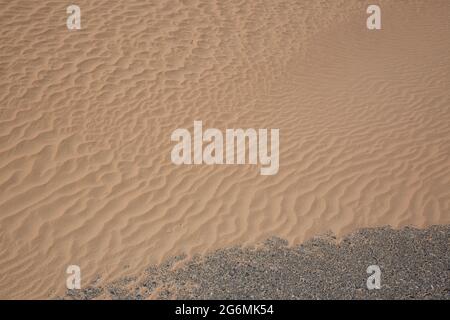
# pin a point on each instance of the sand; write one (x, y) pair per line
(86, 118)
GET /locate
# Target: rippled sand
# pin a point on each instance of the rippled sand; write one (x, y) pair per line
(86, 118)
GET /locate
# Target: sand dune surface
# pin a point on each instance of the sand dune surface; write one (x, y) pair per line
(86, 118)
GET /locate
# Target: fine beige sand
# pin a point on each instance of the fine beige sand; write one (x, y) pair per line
(86, 118)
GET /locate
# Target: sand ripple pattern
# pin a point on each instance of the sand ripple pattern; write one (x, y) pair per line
(86, 118)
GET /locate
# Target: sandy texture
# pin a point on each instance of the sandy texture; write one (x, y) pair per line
(414, 264)
(86, 118)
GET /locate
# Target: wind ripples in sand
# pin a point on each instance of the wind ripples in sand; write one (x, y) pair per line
(86, 118)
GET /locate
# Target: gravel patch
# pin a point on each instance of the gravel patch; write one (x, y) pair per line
(414, 263)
